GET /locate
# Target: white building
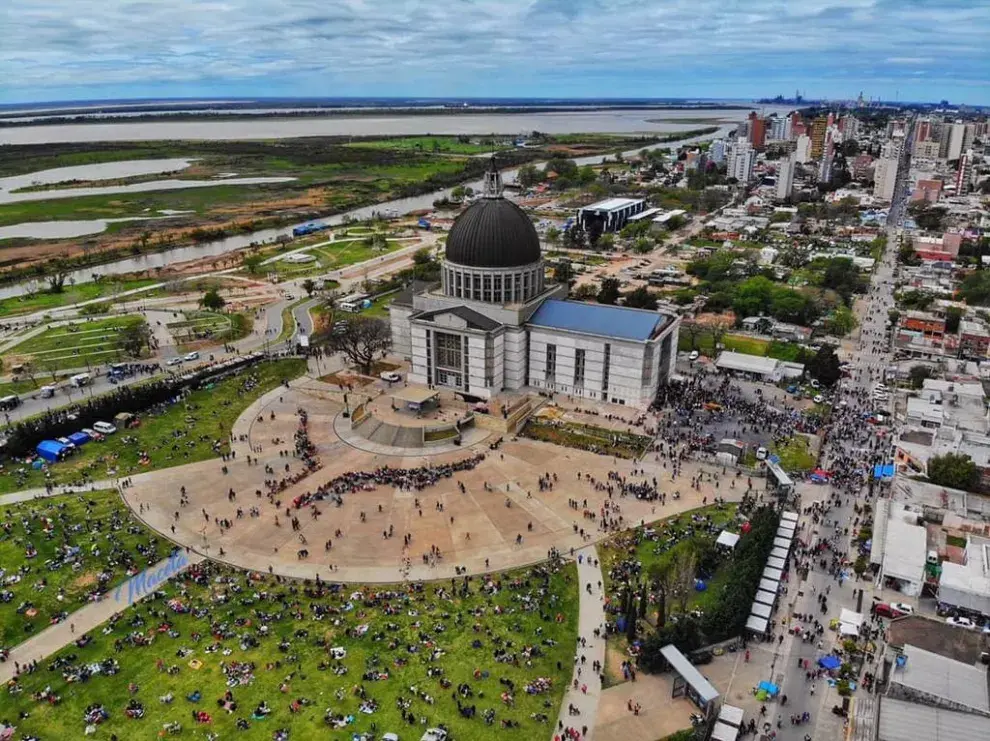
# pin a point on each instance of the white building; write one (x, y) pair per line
(609, 215)
(885, 178)
(494, 325)
(785, 177)
(716, 152)
(802, 149)
(954, 145)
(741, 159)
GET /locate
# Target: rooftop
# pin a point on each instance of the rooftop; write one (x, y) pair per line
(612, 204)
(906, 721)
(748, 363)
(943, 679)
(936, 636)
(598, 319)
(905, 548)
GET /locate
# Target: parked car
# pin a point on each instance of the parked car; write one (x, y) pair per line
(192, 356)
(819, 399)
(883, 610)
(961, 622)
(390, 376)
(104, 428)
(901, 609)
(434, 734)
(92, 433)
(174, 361)
(694, 355)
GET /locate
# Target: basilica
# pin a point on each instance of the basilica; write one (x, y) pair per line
(493, 323)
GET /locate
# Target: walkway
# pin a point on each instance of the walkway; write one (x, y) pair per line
(56, 637)
(591, 616)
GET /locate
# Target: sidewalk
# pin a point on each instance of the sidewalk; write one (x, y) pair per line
(56, 637)
(591, 616)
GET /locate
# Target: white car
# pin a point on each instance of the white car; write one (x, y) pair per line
(961, 622)
(900, 609)
(191, 356)
(104, 428)
(174, 361)
(694, 355)
(819, 399)
(390, 376)
(434, 734)
(815, 384)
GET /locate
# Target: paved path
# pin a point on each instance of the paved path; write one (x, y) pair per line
(591, 616)
(56, 637)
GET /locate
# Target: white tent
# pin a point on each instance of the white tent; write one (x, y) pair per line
(781, 542)
(850, 622)
(775, 562)
(769, 585)
(724, 732)
(772, 573)
(778, 553)
(727, 539)
(757, 624)
(766, 598)
(788, 517)
(732, 715)
(760, 610)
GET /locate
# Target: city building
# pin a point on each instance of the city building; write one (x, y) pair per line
(954, 141)
(927, 191)
(818, 129)
(785, 178)
(964, 175)
(609, 215)
(493, 325)
(862, 167)
(716, 151)
(757, 131)
(802, 149)
(885, 178)
(927, 150)
(740, 161)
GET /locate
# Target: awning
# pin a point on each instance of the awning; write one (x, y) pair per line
(724, 732)
(765, 597)
(779, 553)
(789, 517)
(732, 715)
(782, 542)
(769, 585)
(690, 674)
(757, 624)
(772, 573)
(776, 563)
(727, 539)
(760, 610)
(415, 394)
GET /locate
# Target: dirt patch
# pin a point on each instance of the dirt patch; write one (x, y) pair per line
(84, 580)
(347, 378)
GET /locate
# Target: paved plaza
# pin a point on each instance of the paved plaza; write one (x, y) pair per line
(477, 530)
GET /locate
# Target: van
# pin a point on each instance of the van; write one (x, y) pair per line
(104, 428)
(47, 392)
(9, 402)
(761, 453)
(80, 380)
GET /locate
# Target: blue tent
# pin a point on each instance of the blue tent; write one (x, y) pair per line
(79, 438)
(829, 662)
(884, 472)
(50, 450)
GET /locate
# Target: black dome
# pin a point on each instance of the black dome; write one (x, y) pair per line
(493, 233)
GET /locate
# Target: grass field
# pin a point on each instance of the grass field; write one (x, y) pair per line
(74, 345)
(405, 652)
(379, 309)
(795, 454)
(45, 301)
(91, 541)
(210, 325)
(434, 144)
(182, 433)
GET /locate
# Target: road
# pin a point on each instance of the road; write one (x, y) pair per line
(869, 361)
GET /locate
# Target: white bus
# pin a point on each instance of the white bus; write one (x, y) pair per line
(81, 379)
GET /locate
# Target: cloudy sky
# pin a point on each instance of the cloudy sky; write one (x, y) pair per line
(92, 49)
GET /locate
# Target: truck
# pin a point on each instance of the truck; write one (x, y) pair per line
(311, 228)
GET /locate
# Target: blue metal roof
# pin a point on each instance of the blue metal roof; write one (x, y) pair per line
(598, 319)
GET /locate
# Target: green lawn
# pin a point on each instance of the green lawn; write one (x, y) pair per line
(418, 644)
(74, 345)
(210, 325)
(70, 295)
(350, 251)
(705, 344)
(183, 433)
(587, 437)
(379, 309)
(432, 144)
(795, 454)
(93, 540)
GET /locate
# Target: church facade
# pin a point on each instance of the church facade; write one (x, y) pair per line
(494, 324)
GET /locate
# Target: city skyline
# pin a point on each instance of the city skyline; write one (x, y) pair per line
(829, 49)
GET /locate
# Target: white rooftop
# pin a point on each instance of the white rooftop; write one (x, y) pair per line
(905, 549)
(613, 204)
(943, 678)
(747, 363)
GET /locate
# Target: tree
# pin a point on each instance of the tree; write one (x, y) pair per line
(953, 315)
(954, 470)
(641, 298)
(975, 289)
(585, 291)
(824, 367)
(841, 323)
(918, 374)
(642, 245)
(252, 262)
(528, 176)
(58, 272)
(212, 300)
(606, 241)
(693, 331)
(457, 193)
(563, 272)
(553, 236)
(609, 292)
(309, 286)
(662, 576)
(361, 340)
(134, 338)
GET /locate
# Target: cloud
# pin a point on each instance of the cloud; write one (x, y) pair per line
(549, 48)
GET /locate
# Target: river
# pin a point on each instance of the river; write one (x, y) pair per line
(229, 244)
(660, 120)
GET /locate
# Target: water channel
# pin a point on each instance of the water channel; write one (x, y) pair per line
(221, 246)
